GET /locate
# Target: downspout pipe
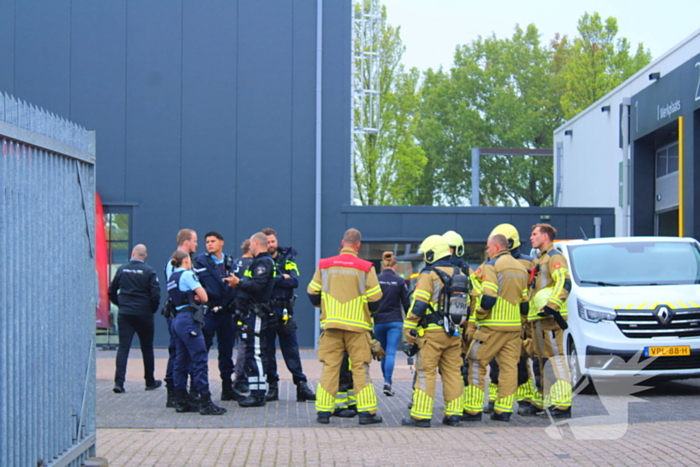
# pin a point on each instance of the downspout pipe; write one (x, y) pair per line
(319, 128)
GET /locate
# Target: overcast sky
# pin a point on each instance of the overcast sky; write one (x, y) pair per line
(431, 29)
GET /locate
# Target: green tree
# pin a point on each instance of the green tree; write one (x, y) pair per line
(500, 93)
(596, 63)
(387, 162)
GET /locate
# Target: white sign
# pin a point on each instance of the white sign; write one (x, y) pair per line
(665, 111)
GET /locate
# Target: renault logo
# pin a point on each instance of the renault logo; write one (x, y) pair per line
(664, 315)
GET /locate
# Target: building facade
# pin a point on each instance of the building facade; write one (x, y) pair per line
(634, 149)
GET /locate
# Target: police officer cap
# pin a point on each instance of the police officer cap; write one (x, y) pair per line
(508, 231)
(434, 248)
(454, 240)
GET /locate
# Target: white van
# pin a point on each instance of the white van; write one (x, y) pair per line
(630, 294)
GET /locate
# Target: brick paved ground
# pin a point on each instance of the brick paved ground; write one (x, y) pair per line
(135, 429)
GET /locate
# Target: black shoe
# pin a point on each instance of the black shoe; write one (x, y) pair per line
(323, 417)
(344, 413)
(207, 407)
(557, 413)
(387, 390)
(523, 406)
(118, 389)
(304, 392)
(227, 393)
(530, 411)
(253, 401)
(367, 418)
(501, 417)
(156, 384)
(273, 393)
(240, 386)
(489, 407)
(170, 400)
(410, 421)
(184, 403)
(452, 420)
(467, 417)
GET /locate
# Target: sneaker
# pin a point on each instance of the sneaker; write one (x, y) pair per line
(387, 390)
(155, 385)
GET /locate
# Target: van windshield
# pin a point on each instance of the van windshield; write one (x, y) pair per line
(635, 263)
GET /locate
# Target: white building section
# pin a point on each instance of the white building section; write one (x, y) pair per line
(592, 150)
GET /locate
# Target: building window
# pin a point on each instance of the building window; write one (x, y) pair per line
(667, 160)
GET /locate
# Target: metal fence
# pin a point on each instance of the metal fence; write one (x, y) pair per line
(47, 288)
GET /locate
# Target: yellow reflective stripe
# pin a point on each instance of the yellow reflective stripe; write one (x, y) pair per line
(351, 312)
(422, 294)
(491, 286)
(454, 407)
(324, 401)
(291, 266)
(503, 313)
(315, 285)
(247, 273)
(410, 325)
(422, 407)
(474, 399)
(367, 399)
(373, 291)
(559, 276)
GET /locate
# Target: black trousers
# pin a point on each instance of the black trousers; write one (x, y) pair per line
(128, 326)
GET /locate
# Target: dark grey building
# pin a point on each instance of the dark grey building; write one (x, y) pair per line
(205, 112)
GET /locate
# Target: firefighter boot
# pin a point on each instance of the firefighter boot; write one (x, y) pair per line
(304, 392)
(367, 418)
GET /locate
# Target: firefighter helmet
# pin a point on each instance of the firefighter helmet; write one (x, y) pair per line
(508, 231)
(541, 298)
(434, 248)
(454, 240)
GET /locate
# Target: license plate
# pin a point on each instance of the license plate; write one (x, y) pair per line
(675, 351)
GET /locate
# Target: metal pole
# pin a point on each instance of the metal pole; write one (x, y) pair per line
(625, 166)
(319, 153)
(597, 221)
(476, 152)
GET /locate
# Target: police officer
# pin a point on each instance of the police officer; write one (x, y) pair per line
(549, 323)
(498, 331)
(190, 349)
(211, 267)
(428, 324)
(283, 324)
(253, 302)
(240, 385)
(187, 243)
(135, 290)
(348, 292)
(525, 385)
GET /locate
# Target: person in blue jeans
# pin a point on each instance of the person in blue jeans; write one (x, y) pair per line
(388, 321)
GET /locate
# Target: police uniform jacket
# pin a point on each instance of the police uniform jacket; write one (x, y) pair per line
(504, 283)
(210, 276)
(258, 281)
(426, 296)
(285, 264)
(135, 289)
(347, 290)
(240, 265)
(552, 271)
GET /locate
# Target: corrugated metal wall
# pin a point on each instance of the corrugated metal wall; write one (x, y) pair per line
(47, 288)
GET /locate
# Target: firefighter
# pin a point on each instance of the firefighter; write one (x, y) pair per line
(429, 324)
(526, 387)
(498, 331)
(548, 324)
(348, 292)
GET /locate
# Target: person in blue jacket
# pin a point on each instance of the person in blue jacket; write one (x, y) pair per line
(190, 350)
(211, 268)
(388, 320)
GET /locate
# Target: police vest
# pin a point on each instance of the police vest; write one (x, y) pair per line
(177, 296)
